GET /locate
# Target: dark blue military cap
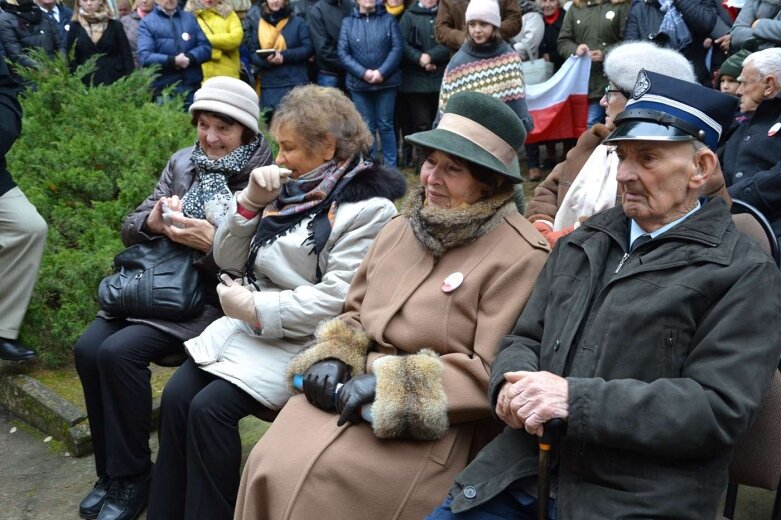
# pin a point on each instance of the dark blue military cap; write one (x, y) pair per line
(662, 108)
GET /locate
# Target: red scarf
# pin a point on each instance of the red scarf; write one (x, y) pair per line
(550, 20)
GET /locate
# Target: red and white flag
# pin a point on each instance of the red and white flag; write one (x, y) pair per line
(559, 106)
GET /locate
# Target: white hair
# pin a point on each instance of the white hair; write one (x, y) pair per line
(767, 62)
(623, 63)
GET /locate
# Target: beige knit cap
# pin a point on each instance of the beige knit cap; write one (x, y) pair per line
(484, 11)
(231, 97)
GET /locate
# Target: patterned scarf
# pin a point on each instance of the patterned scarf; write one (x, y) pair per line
(94, 23)
(438, 229)
(313, 194)
(209, 196)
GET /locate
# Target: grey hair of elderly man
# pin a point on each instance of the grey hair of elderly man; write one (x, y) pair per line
(760, 78)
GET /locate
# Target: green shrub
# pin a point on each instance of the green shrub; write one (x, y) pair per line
(86, 158)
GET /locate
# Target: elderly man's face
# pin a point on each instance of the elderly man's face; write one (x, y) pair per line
(658, 181)
(752, 89)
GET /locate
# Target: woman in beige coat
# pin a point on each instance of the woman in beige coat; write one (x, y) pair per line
(423, 319)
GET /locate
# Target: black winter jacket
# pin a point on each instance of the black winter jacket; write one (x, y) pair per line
(325, 22)
(751, 162)
(417, 29)
(22, 31)
(11, 116)
(116, 60)
(667, 353)
(645, 17)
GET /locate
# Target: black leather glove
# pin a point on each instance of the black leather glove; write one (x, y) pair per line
(355, 393)
(320, 382)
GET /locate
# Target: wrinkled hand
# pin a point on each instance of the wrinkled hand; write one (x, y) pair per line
(264, 186)
(724, 43)
(237, 302)
(355, 393)
(192, 232)
(530, 399)
(320, 382)
(181, 61)
(581, 50)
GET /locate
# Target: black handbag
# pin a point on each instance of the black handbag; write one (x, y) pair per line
(154, 279)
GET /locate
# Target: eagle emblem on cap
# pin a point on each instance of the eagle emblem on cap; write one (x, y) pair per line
(642, 85)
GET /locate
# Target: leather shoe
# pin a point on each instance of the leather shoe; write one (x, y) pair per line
(90, 506)
(126, 500)
(14, 351)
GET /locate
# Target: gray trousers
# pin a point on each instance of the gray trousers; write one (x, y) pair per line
(22, 237)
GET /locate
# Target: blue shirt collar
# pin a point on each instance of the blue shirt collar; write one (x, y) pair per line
(635, 231)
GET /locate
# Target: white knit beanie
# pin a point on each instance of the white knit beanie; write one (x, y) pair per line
(231, 97)
(623, 63)
(484, 11)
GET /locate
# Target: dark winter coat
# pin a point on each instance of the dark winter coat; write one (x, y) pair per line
(417, 29)
(751, 162)
(667, 361)
(598, 24)
(293, 70)
(130, 23)
(65, 19)
(161, 37)
(11, 116)
(549, 40)
(22, 31)
(645, 17)
(367, 42)
(116, 60)
(325, 22)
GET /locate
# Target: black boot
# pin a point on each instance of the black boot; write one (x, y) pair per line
(90, 506)
(126, 499)
(14, 351)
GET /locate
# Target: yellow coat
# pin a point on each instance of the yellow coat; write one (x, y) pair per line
(225, 35)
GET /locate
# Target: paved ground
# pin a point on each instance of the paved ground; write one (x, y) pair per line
(38, 480)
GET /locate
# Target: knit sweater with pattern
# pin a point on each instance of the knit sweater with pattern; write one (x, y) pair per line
(493, 69)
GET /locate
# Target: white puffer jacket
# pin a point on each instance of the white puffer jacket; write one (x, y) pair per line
(291, 301)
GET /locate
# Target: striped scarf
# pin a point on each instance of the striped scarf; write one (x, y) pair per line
(495, 71)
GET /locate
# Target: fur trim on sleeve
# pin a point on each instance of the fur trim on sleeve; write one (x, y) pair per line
(334, 339)
(410, 400)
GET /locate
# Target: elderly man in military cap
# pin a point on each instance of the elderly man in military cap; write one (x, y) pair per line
(646, 333)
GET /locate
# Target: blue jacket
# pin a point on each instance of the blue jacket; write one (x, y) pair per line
(293, 70)
(371, 41)
(162, 37)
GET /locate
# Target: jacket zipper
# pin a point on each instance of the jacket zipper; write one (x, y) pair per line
(621, 263)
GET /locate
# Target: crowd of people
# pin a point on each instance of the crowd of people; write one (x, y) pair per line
(409, 363)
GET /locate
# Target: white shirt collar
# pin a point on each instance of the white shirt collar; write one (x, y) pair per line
(635, 231)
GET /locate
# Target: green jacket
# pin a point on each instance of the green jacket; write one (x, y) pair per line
(600, 25)
(417, 30)
(667, 362)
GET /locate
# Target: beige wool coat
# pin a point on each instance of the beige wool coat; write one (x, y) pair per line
(306, 467)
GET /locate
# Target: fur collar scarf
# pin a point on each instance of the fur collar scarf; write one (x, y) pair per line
(438, 229)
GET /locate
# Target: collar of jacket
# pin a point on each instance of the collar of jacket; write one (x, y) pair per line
(704, 230)
(378, 9)
(592, 3)
(159, 10)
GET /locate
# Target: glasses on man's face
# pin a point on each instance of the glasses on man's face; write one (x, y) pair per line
(609, 91)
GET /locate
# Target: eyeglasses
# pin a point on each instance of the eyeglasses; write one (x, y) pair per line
(609, 91)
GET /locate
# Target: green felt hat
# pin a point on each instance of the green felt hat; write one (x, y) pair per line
(480, 129)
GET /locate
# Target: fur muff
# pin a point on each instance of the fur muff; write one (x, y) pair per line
(334, 339)
(410, 401)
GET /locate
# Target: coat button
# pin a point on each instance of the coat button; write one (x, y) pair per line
(739, 175)
(470, 492)
(747, 138)
(747, 191)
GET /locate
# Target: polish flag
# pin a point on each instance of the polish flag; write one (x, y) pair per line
(559, 106)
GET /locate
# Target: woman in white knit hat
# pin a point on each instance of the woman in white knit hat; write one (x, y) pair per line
(113, 354)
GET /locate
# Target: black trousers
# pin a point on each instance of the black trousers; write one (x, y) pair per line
(112, 360)
(196, 474)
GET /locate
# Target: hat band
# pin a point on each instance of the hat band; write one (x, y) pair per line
(479, 135)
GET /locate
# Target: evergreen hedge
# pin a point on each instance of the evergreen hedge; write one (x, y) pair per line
(86, 158)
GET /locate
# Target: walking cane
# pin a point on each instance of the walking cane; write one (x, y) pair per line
(551, 431)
